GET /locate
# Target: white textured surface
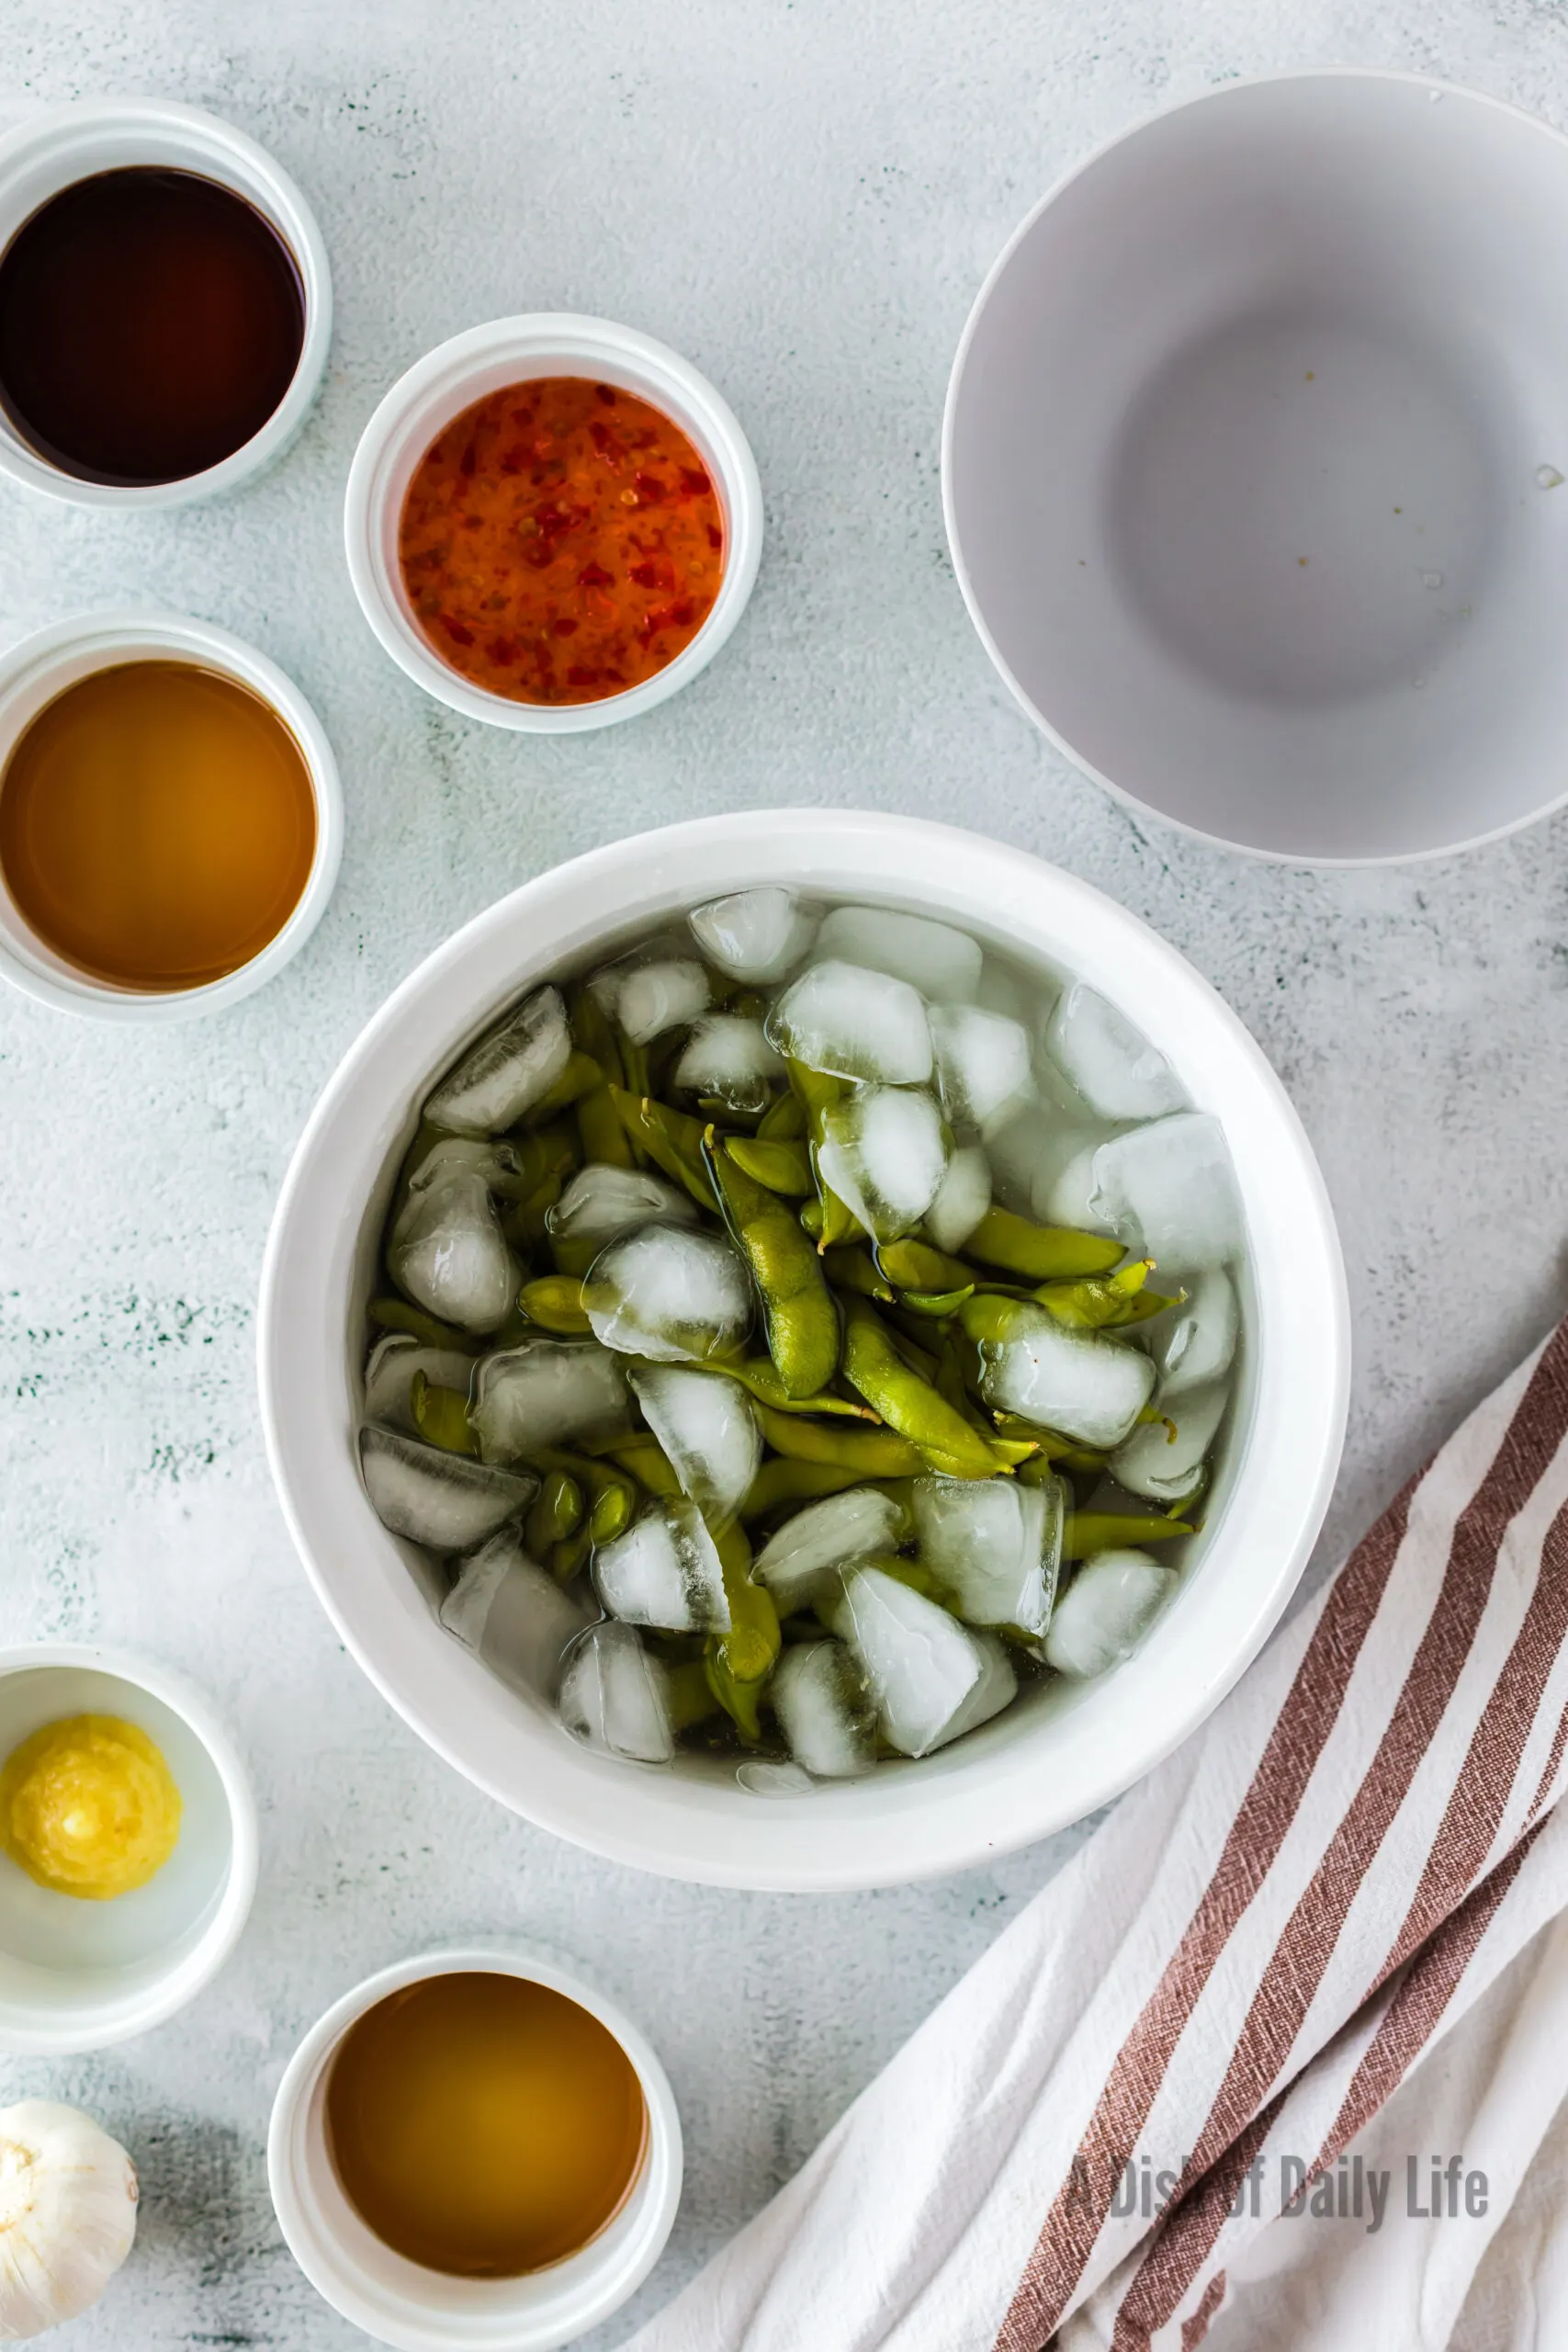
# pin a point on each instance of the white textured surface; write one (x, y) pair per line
(802, 198)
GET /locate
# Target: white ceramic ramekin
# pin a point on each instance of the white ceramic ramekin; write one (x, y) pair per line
(77, 1975)
(402, 2303)
(32, 674)
(52, 150)
(1061, 1752)
(468, 368)
(1254, 467)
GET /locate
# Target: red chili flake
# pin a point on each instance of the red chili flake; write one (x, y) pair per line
(512, 460)
(605, 392)
(648, 488)
(716, 537)
(469, 459)
(501, 652)
(456, 631)
(564, 628)
(695, 482)
(580, 675)
(593, 575)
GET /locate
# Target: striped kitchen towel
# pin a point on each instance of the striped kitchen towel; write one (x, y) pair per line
(1277, 2058)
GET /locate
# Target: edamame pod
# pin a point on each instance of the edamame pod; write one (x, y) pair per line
(1089, 1531)
(909, 1404)
(555, 1303)
(760, 1374)
(915, 1265)
(610, 1491)
(782, 1167)
(555, 1513)
(784, 1121)
(1106, 1303)
(855, 1269)
(791, 1480)
(740, 1661)
(866, 1453)
(1043, 1252)
(817, 1093)
(398, 1314)
(599, 1128)
(580, 1077)
(802, 1322)
(671, 1141)
(648, 1463)
(441, 1416)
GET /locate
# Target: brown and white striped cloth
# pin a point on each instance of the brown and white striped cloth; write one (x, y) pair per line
(1324, 1942)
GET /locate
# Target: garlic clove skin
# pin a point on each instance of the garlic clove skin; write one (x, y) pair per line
(67, 2214)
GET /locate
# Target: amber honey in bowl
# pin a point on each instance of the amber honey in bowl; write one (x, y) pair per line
(151, 323)
(561, 541)
(157, 825)
(484, 2125)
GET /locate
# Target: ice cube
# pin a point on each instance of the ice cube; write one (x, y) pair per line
(388, 1377)
(665, 1572)
(982, 1065)
(943, 964)
(756, 935)
(883, 1151)
(615, 1698)
(601, 1201)
(650, 998)
(1015, 1149)
(798, 1560)
(449, 1254)
(1063, 1189)
(492, 1158)
(441, 1500)
(995, 1546)
(761, 1778)
(507, 1071)
(931, 1676)
(1118, 1074)
(705, 1424)
(1107, 1606)
(677, 1296)
(1168, 1469)
(1169, 1191)
(824, 1710)
(1085, 1384)
(514, 1616)
(961, 1199)
(728, 1057)
(546, 1392)
(1195, 1342)
(853, 1024)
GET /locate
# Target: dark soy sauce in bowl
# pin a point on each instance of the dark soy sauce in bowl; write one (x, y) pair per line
(151, 322)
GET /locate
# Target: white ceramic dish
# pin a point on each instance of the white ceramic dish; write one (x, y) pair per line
(1047, 1762)
(471, 366)
(1254, 467)
(402, 2303)
(52, 150)
(32, 674)
(77, 1975)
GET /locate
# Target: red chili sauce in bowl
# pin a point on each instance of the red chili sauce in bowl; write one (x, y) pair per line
(560, 541)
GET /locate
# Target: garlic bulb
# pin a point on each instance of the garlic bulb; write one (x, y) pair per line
(67, 2214)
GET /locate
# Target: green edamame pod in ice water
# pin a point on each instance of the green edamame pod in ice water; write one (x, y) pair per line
(802, 1322)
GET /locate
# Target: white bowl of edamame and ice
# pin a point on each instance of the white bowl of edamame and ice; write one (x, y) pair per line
(804, 1350)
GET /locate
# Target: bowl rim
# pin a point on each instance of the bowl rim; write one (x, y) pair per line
(440, 382)
(610, 2273)
(179, 1984)
(1299, 1434)
(1244, 84)
(216, 150)
(112, 638)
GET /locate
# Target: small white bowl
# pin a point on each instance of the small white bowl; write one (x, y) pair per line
(1255, 467)
(77, 1975)
(53, 149)
(401, 2302)
(32, 674)
(1059, 1753)
(468, 368)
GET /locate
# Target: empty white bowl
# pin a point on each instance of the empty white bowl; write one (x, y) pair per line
(55, 148)
(42, 666)
(471, 367)
(401, 2302)
(78, 1975)
(1254, 467)
(1059, 1752)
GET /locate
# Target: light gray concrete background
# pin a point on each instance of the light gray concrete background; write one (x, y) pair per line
(803, 198)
